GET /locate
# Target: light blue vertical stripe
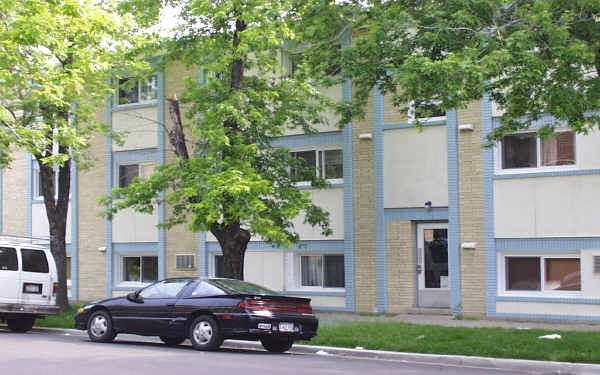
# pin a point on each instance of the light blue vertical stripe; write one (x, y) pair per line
(162, 234)
(202, 254)
(348, 195)
(488, 197)
(29, 194)
(380, 225)
(74, 225)
(453, 213)
(1, 200)
(109, 186)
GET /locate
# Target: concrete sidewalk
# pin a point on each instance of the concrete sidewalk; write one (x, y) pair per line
(331, 318)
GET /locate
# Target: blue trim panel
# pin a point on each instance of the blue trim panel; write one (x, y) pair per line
(29, 194)
(330, 186)
(488, 204)
(416, 213)
(162, 208)
(303, 140)
(348, 168)
(1, 200)
(408, 125)
(312, 293)
(583, 301)
(544, 120)
(545, 316)
(380, 223)
(453, 213)
(129, 156)
(581, 172)
(203, 254)
(135, 247)
(129, 107)
(109, 185)
(548, 244)
(74, 246)
(305, 245)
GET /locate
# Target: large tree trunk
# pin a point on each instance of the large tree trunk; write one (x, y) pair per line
(234, 241)
(56, 211)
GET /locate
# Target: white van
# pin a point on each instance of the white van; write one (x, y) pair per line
(28, 282)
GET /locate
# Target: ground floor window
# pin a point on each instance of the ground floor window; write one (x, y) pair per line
(139, 269)
(524, 273)
(325, 271)
(217, 266)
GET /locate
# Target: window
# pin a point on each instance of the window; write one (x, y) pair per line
(184, 262)
(137, 91)
(218, 266)
(68, 269)
(425, 111)
(164, 289)
(34, 261)
(526, 150)
(542, 273)
(325, 271)
(129, 172)
(205, 289)
(8, 259)
(324, 163)
(139, 269)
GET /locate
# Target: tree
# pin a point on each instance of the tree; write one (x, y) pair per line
(56, 59)
(533, 57)
(227, 179)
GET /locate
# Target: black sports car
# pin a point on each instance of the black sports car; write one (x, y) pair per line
(205, 310)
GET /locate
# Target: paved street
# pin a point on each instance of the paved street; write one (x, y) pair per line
(59, 353)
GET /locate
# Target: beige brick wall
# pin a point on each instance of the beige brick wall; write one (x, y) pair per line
(392, 115)
(470, 166)
(180, 241)
(401, 266)
(364, 214)
(14, 195)
(92, 227)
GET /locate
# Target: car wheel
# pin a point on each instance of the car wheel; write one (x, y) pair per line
(205, 333)
(100, 327)
(172, 341)
(277, 344)
(21, 325)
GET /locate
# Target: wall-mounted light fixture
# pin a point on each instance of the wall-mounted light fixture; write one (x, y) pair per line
(365, 136)
(469, 245)
(102, 249)
(465, 127)
(428, 205)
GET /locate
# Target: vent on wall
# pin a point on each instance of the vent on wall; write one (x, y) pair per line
(597, 264)
(185, 262)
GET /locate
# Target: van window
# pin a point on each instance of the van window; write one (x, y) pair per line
(8, 259)
(34, 261)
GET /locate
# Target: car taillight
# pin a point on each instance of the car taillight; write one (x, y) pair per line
(54, 289)
(258, 305)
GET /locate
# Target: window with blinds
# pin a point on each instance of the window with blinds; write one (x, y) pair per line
(185, 262)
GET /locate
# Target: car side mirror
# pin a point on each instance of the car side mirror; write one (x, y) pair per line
(134, 297)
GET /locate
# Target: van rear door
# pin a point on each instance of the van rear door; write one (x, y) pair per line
(10, 278)
(36, 277)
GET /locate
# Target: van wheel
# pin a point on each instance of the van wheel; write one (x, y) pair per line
(172, 341)
(277, 344)
(100, 327)
(205, 333)
(21, 325)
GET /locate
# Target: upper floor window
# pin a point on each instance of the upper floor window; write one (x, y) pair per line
(526, 150)
(424, 111)
(128, 172)
(327, 164)
(137, 91)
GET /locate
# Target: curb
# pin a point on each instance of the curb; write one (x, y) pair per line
(546, 367)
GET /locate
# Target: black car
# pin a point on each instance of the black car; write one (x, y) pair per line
(205, 310)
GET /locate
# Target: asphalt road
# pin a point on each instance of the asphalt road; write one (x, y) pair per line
(52, 353)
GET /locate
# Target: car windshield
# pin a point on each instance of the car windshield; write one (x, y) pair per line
(242, 287)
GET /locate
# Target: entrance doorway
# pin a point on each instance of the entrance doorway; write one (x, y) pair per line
(433, 283)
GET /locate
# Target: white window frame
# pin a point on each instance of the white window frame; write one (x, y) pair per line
(503, 292)
(294, 273)
(424, 120)
(540, 168)
(36, 176)
(119, 259)
(319, 163)
(212, 263)
(139, 163)
(140, 101)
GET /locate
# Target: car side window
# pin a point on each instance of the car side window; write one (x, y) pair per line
(34, 261)
(8, 259)
(205, 289)
(164, 289)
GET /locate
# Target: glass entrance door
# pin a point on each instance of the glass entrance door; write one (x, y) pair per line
(432, 266)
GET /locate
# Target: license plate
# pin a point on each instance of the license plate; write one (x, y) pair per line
(32, 288)
(286, 327)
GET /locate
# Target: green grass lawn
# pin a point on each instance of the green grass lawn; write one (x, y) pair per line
(66, 319)
(574, 346)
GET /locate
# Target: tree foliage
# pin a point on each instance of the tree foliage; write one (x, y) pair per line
(230, 181)
(533, 57)
(56, 58)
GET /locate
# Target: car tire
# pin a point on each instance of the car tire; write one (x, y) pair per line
(21, 325)
(205, 334)
(277, 344)
(100, 328)
(172, 341)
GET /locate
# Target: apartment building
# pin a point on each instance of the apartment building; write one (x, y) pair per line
(422, 219)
